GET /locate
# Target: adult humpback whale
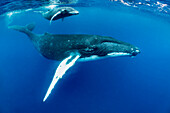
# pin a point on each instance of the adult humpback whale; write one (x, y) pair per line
(68, 48)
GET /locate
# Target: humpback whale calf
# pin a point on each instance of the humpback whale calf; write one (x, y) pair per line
(59, 13)
(68, 48)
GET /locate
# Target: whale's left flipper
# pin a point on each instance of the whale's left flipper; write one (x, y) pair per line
(54, 16)
(60, 71)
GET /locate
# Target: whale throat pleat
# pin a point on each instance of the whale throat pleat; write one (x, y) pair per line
(60, 71)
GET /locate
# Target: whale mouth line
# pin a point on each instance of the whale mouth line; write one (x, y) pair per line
(114, 54)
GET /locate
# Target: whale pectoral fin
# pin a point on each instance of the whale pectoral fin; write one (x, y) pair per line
(60, 71)
(62, 19)
(54, 16)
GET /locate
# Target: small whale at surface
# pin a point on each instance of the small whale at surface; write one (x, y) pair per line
(69, 48)
(58, 13)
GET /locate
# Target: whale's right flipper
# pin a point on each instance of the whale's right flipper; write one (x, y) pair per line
(60, 71)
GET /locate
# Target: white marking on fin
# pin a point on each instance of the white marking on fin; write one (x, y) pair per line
(54, 16)
(60, 71)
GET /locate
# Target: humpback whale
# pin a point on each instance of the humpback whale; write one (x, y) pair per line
(59, 13)
(69, 48)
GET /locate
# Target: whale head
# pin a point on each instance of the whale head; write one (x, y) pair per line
(113, 49)
(102, 47)
(69, 11)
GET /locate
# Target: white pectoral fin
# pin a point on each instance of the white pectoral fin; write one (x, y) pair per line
(54, 16)
(60, 71)
(62, 19)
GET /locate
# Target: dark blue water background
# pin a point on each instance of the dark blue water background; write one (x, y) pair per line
(113, 85)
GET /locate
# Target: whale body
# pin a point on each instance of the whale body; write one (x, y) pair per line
(59, 13)
(68, 48)
(60, 46)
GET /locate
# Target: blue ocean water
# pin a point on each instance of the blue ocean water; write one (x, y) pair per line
(113, 85)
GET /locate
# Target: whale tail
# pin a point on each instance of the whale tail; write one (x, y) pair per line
(25, 29)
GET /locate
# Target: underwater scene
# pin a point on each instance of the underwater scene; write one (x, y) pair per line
(85, 56)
